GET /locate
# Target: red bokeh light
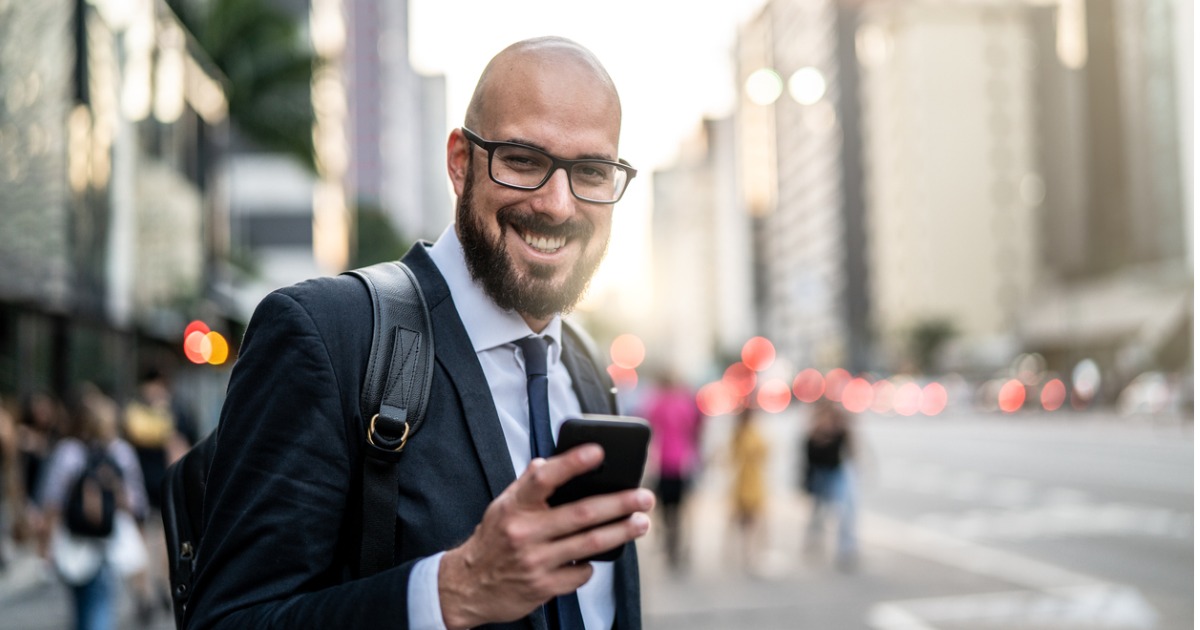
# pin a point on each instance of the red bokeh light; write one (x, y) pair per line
(774, 395)
(884, 393)
(195, 326)
(907, 400)
(1054, 394)
(758, 353)
(835, 382)
(1012, 396)
(857, 395)
(627, 351)
(809, 385)
(197, 347)
(740, 379)
(715, 399)
(624, 378)
(933, 399)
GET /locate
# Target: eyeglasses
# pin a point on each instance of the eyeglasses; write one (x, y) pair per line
(524, 167)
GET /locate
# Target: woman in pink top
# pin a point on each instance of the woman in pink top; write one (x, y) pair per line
(672, 413)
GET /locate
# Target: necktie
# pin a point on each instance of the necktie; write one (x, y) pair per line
(562, 612)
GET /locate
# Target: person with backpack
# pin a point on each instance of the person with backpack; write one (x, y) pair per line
(536, 171)
(828, 447)
(91, 496)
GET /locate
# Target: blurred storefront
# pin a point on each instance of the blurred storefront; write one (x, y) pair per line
(111, 125)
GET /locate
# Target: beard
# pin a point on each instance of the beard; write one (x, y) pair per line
(534, 294)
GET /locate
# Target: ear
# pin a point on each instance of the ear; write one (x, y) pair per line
(457, 155)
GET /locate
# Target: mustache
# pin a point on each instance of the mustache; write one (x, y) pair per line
(534, 222)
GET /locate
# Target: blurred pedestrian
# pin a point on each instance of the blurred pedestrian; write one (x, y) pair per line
(91, 496)
(672, 413)
(160, 430)
(748, 452)
(828, 477)
(12, 494)
(39, 424)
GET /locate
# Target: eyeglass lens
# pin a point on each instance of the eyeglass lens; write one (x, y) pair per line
(527, 168)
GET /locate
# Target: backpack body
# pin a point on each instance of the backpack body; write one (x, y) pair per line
(92, 500)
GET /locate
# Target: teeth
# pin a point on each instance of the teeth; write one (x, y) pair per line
(544, 244)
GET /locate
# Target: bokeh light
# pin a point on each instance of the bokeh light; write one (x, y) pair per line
(1012, 395)
(1054, 394)
(807, 85)
(623, 378)
(740, 379)
(836, 381)
(764, 86)
(758, 353)
(195, 326)
(197, 347)
(907, 400)
(857, 395)
(882, 399)
(774, 395)
(933, 399)
(218, 348)
(809, 385)
(716, 399)
(627, 351)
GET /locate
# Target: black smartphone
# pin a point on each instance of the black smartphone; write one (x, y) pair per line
(625, 441)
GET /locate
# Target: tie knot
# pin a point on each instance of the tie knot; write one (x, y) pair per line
(534, 349)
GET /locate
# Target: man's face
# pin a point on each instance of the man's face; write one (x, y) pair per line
(535, 251)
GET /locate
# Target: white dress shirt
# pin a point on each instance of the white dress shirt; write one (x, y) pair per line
(492, 332)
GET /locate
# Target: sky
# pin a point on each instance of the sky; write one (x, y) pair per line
(670, 59)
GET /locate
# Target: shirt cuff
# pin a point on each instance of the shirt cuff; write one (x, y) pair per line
(424, 605)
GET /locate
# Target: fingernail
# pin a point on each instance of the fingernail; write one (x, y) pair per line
(591, 453)
(641, 522)
(644, 499)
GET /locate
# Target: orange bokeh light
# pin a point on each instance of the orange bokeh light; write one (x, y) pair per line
(740, 379)
(907, 400)
(857, 395)
(836, 381)
(715, 399)
(218, 348)
(809, 385)
(627, 351)
(774, 395)
(758, 353)
(1054, 394)
(884, 393)
(1012, 396)
(933, 399)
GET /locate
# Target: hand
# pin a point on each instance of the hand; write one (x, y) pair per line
(521, 554)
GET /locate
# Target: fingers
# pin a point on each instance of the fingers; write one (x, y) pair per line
(590, 542)
(598, 510)
(544, 476)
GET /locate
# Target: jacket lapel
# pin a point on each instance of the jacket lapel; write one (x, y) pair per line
(456, 356)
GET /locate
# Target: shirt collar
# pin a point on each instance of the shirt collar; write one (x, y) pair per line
(487, 324)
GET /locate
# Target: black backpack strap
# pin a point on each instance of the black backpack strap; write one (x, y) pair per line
(394, 398)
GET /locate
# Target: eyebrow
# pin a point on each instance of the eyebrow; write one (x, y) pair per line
(585, 156)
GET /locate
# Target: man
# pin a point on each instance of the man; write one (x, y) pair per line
(535, 171)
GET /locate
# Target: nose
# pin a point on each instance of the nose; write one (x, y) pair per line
(554, 198)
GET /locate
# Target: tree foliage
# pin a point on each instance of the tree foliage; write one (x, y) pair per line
(269, 66)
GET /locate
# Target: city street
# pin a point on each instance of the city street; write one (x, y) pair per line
(966, 521)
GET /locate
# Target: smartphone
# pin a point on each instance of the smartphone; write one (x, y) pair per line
(625, 441)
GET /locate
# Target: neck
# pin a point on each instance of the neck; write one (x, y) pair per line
(535, 324)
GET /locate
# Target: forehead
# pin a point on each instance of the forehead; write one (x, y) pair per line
(559, 103)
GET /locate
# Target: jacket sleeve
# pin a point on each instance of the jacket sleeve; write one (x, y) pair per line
(276, 517)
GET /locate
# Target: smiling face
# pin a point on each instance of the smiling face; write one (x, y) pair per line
(535, 251)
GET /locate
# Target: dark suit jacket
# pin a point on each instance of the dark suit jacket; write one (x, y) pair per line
(282, 522)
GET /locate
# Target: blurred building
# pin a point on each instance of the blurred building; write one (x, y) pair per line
(702, 283)
(378, 144)
(397, 161)
(797, 124)
(111, 125)
(954, 183)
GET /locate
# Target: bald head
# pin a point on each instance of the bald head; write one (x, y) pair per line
(540, 62)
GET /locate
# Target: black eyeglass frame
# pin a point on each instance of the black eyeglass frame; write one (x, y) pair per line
(555, 164)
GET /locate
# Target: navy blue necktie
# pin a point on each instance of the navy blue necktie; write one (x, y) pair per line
(562, 613)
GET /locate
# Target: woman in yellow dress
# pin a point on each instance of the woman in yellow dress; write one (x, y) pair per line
(749, 458)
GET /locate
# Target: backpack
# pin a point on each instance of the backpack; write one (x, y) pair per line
(91, 502)
(394, 399)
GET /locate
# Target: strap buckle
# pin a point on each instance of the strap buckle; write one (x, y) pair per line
(371, 436)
